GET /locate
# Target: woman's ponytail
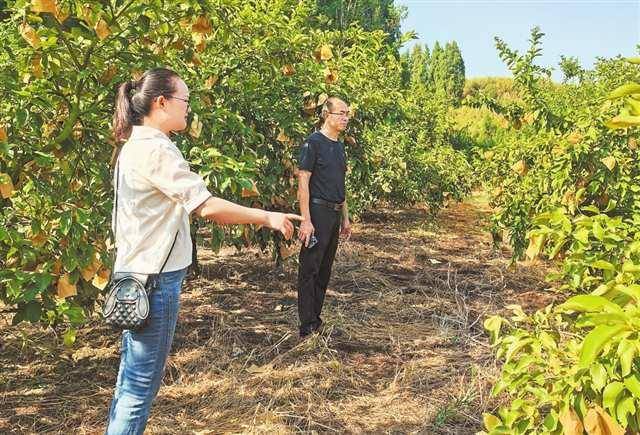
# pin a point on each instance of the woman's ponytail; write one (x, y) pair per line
(124, 116)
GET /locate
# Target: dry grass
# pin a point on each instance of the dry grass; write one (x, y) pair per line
(403, 349)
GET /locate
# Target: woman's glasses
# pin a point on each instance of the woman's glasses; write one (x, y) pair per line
(186, 100)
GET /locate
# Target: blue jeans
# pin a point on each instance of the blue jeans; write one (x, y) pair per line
(143, 357)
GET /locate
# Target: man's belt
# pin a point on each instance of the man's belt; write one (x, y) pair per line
(332, 205)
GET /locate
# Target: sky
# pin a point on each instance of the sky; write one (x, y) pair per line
(585, 29)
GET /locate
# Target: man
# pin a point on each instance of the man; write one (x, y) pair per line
(321, 192)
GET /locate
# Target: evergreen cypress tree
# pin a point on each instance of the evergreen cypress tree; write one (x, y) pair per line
(458, 73)
(405, 64)
(417, 66)
(426, 55)
(437, 70)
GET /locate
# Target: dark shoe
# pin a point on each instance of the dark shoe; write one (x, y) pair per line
(304, 333)
(317, 327)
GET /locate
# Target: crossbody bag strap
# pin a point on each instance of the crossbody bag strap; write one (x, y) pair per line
(115, 213)
(153, 281)
(169, 254)
(115, 194)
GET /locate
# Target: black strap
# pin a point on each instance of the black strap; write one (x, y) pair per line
(115, 223)
(115, 194)
(169, 254)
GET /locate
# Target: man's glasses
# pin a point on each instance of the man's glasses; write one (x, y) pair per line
(345, 114)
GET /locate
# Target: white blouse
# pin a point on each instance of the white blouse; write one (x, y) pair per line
(156, 193)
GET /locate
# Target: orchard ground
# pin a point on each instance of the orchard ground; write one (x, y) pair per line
(403, 349)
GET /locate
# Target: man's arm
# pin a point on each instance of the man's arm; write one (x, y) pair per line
(303, 193)
(345, 228)
(226, 212)
(306, 227)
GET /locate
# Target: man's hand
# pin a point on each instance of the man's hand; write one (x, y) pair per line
(345, 230)
(306, 231)
(282, 222)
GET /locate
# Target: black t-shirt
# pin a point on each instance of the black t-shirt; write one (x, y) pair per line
(326, 161)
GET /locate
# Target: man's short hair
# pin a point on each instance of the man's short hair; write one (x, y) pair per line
(329, 105)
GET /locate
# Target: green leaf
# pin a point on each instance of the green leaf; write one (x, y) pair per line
(490, 421)
(633, 385)
(625, 407)
(523, 425)
(246, 183)
(550, 422)
(623, 121)
(225, 184)
(627, 350)
(610, 395)
(603, 265)
(582, 235)
(624, 90)
(592, 208)
(610, 206)
(632, 290)
(548, 341)
(630, 267)
(596, 340)
(42, 281)
(557, 247)
(21, 117)
(580, 404)
(587, 303)
(492, 326)
(143, 23)
(516, 346)
(522, 364)
(500, 386)
(19, 317)
(33, 311)
(509, 416)
(634, 246)
(598, 377)
(69, 337)
(65, 223)
(601, 319)
(597, 230)
(633, 105)
(75, 315)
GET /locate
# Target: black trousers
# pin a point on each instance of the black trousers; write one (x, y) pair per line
(314, 269)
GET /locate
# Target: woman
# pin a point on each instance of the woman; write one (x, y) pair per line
(156, 193)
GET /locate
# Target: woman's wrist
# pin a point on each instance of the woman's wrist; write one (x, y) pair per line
(265, 218)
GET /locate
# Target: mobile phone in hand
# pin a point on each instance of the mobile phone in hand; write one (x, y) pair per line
(312, 241)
